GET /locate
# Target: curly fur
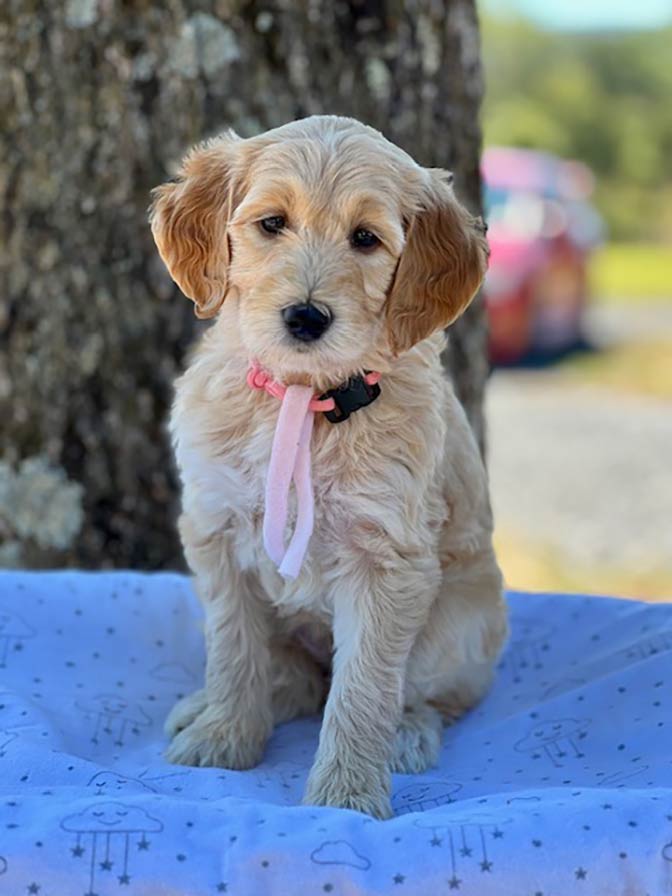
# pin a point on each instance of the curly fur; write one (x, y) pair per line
(400, 581)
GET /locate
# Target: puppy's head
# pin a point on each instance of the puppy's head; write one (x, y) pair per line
(335, 245)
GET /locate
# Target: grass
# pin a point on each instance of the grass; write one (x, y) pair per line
(540, 567)
(622, 274)
(632, 274)
(635, 369)
(632, 271)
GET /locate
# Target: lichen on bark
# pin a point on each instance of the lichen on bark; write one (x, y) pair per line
(40, 510)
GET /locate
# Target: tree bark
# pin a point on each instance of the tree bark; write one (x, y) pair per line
(99, 98)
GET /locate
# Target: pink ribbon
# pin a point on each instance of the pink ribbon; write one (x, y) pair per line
(290, 460)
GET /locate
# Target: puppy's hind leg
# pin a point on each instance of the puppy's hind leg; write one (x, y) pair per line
(418, 740)
(299, 685)
(299, 688)
(452, 662)
(185, 711)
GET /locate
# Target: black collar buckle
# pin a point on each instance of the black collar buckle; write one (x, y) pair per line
(349, 397)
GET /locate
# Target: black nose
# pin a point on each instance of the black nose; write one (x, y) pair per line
(305, 321)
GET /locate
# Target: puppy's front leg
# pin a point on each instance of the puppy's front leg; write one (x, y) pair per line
(232, 728)
(374, 629)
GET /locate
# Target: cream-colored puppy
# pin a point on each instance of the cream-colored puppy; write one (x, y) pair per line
(323, 251)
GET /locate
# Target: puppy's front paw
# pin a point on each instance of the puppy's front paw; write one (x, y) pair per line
(216, 738)
(365, 790)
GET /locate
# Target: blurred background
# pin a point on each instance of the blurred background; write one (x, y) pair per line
(578, 188)
(99, 99)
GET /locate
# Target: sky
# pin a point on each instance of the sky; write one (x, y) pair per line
(587, 14)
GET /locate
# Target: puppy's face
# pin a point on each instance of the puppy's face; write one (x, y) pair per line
(334, 243)
(314, 244)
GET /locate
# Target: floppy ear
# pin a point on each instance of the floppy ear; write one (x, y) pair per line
(189, 218)
(440, 269)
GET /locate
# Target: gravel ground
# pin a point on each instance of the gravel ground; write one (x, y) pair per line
(583, 470)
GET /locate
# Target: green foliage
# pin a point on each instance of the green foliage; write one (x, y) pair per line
(602, 98)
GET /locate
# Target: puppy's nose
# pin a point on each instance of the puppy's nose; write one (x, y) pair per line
(306, 321)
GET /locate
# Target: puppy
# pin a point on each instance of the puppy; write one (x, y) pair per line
(328, 258)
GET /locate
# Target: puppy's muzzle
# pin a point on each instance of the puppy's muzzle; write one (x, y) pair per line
(306, 322)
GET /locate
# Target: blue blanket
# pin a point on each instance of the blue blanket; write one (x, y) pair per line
(559, 783)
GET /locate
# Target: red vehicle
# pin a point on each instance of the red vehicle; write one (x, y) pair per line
(541, 231)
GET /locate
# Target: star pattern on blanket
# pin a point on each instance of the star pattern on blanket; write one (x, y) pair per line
(530, 778)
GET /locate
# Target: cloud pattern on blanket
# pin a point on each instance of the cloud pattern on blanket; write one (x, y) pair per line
(561, 781)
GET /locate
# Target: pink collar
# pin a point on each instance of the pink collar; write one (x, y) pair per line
(290, 459)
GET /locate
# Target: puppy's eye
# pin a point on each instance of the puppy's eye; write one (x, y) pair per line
(363, 239)
(273, 225)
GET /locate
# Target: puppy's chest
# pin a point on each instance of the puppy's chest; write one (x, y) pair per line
(357, 475)
(234, 491)
(229, 486)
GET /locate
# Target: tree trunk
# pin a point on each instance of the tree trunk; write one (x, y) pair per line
(99, 98)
